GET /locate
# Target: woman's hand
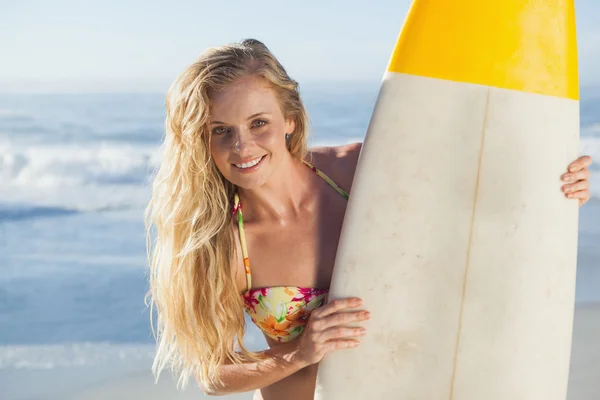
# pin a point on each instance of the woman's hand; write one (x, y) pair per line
(577, 186)
(324, 331)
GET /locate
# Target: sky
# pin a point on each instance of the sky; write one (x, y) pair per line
(135, 45)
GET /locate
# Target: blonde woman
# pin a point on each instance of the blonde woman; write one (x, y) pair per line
(246, 219)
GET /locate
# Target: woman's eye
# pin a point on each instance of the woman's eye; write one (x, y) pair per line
(259, 123)
(219, 130)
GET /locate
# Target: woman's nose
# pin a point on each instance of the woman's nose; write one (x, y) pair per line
(241, 142)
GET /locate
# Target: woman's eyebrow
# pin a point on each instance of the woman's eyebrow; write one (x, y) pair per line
(250, 117)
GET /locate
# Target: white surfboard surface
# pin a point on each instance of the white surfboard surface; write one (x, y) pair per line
(457, 235)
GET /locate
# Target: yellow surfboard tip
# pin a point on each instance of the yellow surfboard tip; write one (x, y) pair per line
(529, 46)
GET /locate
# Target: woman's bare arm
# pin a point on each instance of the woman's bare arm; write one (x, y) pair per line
(326, 331)
(280, 363)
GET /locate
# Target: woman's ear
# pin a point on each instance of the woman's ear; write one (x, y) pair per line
(290, 126)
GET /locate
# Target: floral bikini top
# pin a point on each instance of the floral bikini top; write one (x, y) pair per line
(280, 311)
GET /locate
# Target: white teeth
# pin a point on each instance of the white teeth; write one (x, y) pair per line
(249, 164)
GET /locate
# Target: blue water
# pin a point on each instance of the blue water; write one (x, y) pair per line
(74, 175)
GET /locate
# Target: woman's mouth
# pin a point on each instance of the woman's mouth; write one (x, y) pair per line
(250, 165)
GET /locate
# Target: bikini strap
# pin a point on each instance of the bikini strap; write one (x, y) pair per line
(327, 179)
(237, 208)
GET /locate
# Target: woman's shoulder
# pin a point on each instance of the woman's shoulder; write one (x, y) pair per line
(337, 162)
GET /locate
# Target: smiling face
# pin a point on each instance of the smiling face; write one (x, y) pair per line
(247, 132)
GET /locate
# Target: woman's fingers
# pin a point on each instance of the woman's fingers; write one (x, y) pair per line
(339, 318)
(576, 176)
(336, 305)
(340, 332)
(581, 163)
(583, 185)
(582, 195)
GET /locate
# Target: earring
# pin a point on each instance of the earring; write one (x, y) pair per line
(287, 137)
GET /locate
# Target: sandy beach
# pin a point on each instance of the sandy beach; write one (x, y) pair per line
(138, 384)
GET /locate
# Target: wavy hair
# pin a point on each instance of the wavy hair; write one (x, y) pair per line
(190, 240)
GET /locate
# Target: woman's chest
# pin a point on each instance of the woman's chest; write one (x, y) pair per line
(299, 253)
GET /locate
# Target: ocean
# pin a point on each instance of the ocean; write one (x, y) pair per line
(74, 181)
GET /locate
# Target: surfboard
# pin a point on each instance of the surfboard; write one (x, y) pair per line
(457, 235)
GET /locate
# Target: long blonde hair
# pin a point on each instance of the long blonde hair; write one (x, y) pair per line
(192, 282)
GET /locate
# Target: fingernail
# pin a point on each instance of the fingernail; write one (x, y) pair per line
(367, 314)
(567, 178)
(573, 168)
